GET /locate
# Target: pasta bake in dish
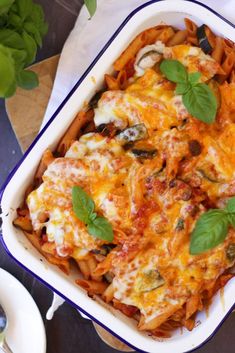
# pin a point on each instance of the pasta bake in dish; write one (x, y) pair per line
(140, 190)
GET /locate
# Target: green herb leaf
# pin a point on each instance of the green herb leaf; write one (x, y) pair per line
(231, 205)
(101, 228)
(194, 77)
(37, 17)
(210, 230)
(91, 6)
(231, 219)
(30, 46)
(31, 28)
(27, 79)
(5, 6)
(14, 21)
(24, 8)
(174, 71)
(19, 57)
(11, 39)
(3, 20)
(182, 88)
(201, 103)
(83, 205)
(7, 71)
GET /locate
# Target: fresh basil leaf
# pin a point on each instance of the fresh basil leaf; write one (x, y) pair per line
(210, 230)
(43, 28)
(24, 8)
(19, 57)
(27, 79)
(37, 17)
(3, 20)
(182, 87)
(83, 205)
(15, 21)
(231, 219)
(14, 7)
(101, 228)
(5, 6)
(174, 71)
(231, 205)
(201, 103)
(91, 6)
(31, 28)
(194, 77)
(7, 71)
(30, 46)
(11, 39)
(92, 216)
(37, 14)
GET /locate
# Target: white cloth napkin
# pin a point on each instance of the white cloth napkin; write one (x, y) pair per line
(87, 39)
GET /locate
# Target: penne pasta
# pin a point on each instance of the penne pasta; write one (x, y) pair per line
(228, 46)
(192, 40)
(189, 324)
(47, 159)
(191, 29)
(84, 268)
(111, 82)
(136, 170)
(63, 264)
(108, 293)
(178, 38)
(232, 76)
(92, 264)
(165, 35)
(158, 320)
(128, 310)
(23, 223)
(74, 131)
(122, 79)
(146, 37)
(92, 287)
(192, 305)
(218, 50)
(104, 266)
(227, 66)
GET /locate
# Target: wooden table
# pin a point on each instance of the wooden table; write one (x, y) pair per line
(68, 332)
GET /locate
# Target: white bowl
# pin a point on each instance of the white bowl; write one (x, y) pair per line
(22, 251)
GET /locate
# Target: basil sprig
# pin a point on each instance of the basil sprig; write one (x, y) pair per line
(83, 207)
(91, 6)
(198, 98)
(212, 227)
(22, 27)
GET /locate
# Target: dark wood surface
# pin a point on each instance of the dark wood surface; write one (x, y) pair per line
(68, 332)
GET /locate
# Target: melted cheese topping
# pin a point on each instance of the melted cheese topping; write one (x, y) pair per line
(194, 59)
(152, 203)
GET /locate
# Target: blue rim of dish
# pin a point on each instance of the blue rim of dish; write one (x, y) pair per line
(45, 128)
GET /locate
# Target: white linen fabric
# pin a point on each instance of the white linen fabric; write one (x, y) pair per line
(86, 40)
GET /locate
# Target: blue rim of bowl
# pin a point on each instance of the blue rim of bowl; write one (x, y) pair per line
(11, 174)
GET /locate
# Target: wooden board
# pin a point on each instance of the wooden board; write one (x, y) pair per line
(26, 110)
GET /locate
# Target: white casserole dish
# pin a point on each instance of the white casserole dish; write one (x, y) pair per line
(147, 15)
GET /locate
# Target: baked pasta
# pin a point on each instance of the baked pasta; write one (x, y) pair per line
(139, 192)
